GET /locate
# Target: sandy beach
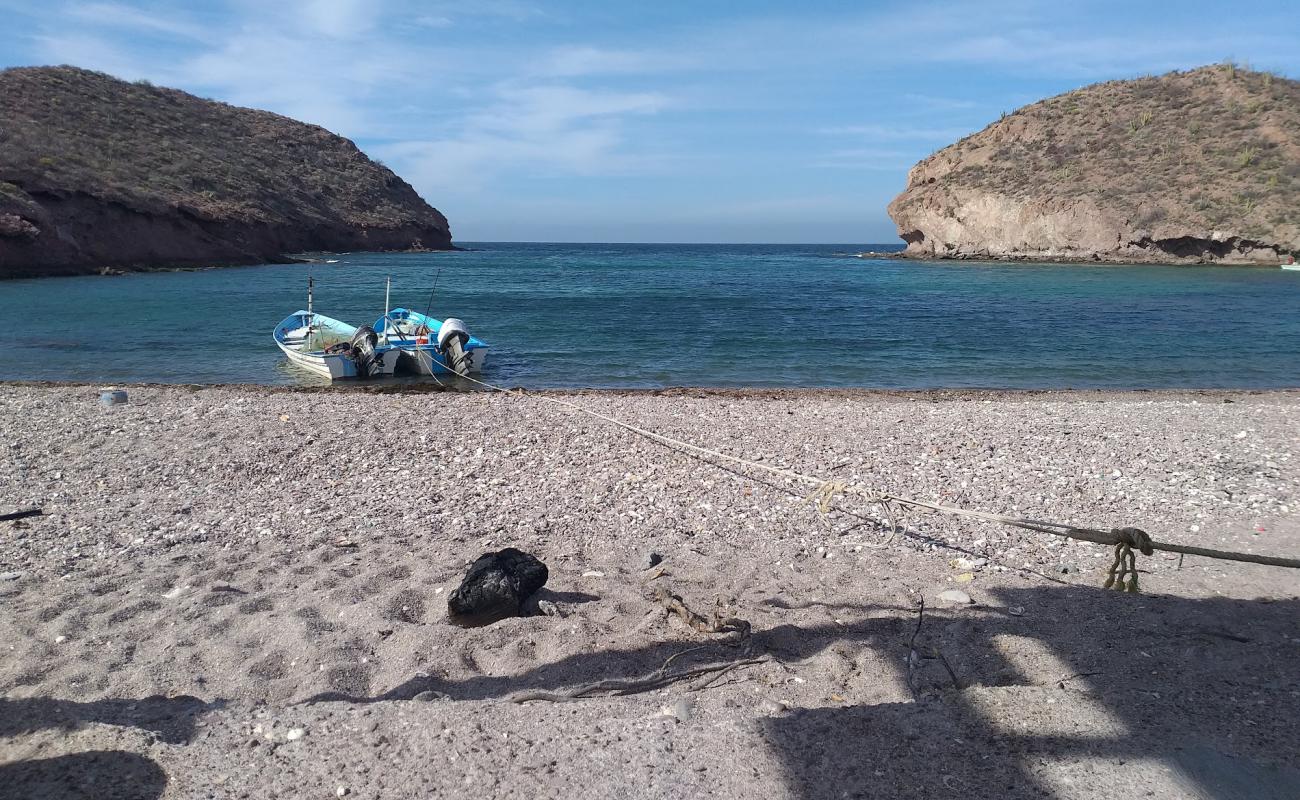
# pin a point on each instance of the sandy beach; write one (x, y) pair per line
(241, 592)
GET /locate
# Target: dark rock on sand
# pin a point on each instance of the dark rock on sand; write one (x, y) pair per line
(496, 587)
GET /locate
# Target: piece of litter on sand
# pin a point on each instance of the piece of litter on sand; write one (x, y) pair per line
(495, 587)
(344, 543)
(295, 734)
(965, 577)
(955, 597)
(1016, 611)
(593, 573)
(174, 593)
(683, 710)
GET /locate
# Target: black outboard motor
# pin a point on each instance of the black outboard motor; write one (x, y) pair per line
(364, 342)
(452, 338)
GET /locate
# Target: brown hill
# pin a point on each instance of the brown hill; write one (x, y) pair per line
(96, 172)
(1190, 166)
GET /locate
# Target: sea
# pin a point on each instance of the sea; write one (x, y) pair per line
(665, 315)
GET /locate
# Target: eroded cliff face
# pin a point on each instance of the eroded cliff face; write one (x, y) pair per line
(97, 173)
(1131, 171)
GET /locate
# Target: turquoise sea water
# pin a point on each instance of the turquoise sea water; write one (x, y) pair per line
(561, 315)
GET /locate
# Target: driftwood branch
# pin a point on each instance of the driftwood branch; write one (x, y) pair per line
(620, 686)
(737, 628)
(30, 512)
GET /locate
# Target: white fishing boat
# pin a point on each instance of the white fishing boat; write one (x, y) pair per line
(333, 349)
(431, 346)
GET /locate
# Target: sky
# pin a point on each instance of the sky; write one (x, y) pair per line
(647, 121)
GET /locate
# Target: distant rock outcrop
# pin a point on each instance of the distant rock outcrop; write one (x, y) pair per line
(99, 173)
(1199, 166)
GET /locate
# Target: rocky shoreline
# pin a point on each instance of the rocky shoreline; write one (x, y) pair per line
(242, 591)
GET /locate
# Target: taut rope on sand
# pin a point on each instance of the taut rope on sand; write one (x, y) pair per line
(1122, 574)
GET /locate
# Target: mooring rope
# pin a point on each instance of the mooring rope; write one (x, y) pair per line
(1121, 576)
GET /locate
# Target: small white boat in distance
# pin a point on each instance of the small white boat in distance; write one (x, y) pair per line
(430, 346)
(333, 349)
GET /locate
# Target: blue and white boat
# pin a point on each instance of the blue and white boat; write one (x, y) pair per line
(430, 346)
(331, 348)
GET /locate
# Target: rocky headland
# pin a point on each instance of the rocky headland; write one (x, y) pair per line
(1191, 167)
(98, 173)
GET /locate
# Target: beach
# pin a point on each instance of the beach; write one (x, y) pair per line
(241, 592)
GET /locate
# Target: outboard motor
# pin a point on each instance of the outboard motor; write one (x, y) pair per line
(364, 342)
(452, 338)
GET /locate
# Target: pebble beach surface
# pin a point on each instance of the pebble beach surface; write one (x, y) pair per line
(241, 592)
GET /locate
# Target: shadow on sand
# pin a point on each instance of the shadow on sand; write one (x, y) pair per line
(1206, 689)
(90, 775)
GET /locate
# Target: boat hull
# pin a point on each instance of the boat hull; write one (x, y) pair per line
(412, 332)
(425, 360)
(291, 337)
(336, 367)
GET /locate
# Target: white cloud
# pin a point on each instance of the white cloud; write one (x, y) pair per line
(530, 130)
(580, 60)
(432, 21)
(883, 132)
(940, 103)
(866, 158)
(117, 15)
(340, 19)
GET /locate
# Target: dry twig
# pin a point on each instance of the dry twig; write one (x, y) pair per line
(738, 628)
(656, 680)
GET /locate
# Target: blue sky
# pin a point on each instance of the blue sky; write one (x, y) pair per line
(649, 122)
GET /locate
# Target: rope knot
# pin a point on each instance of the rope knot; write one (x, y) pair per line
(1134, 538)
(824, 495)
(1123, 575)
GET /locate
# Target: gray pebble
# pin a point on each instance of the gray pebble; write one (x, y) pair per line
(684, 709)
(954, 597)
(429, 696)
(10, 576)
(772, 708)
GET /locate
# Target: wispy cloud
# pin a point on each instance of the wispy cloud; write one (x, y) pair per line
(339, 19)
(883, 132)
(117, 15)
(929, 101)
(580, 60)
(530, 130)
(867, 158)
